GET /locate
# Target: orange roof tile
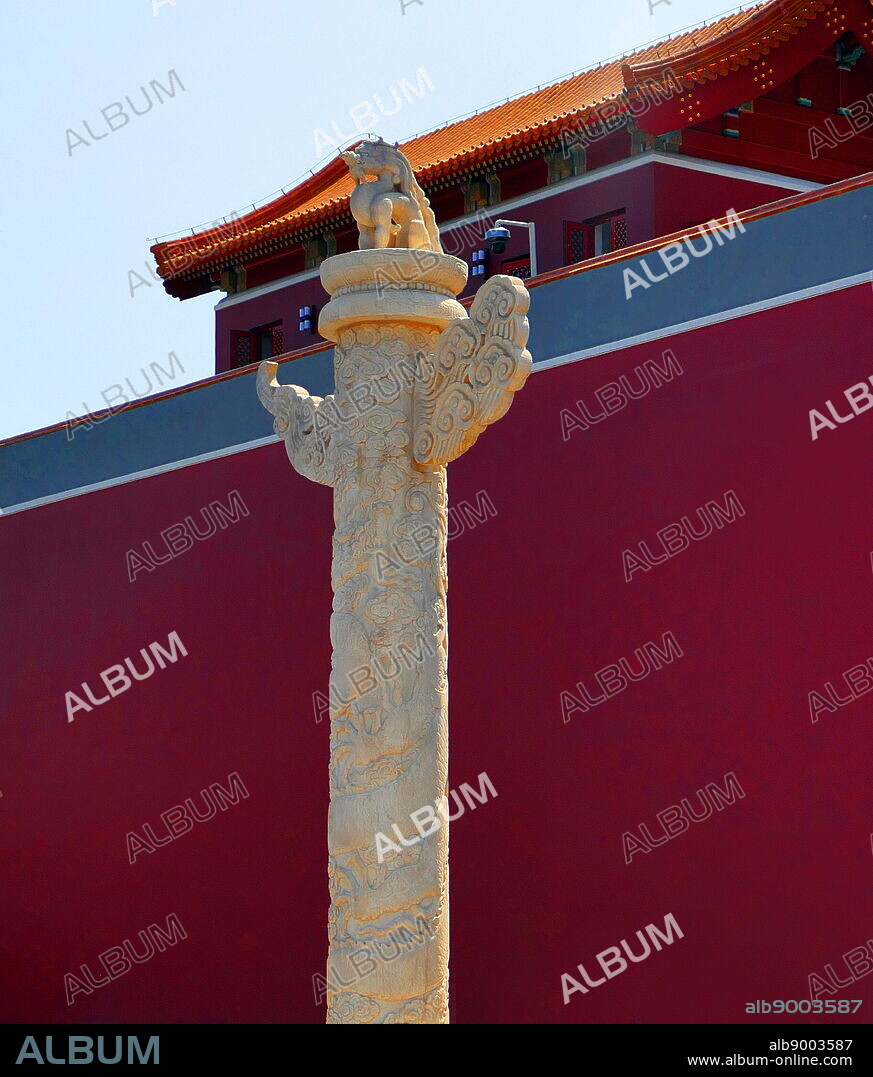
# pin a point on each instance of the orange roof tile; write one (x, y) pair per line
(693, 56)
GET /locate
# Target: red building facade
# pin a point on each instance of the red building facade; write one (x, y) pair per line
(752, 108)
(661, 583)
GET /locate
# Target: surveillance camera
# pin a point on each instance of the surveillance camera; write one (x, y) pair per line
(496, 239)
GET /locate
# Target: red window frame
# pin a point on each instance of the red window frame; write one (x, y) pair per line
(516, 267)
(244, 344)
(278, 338)
(580, 236)
(242, 348)
(578, 239)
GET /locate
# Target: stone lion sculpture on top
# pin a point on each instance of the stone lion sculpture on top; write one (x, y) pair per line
(392, 210)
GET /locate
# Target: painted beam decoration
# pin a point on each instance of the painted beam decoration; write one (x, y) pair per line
(417, 381)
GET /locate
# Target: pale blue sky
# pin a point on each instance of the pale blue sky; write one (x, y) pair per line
(259, 77)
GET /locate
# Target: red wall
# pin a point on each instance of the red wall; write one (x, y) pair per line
(766, 610)
(684, 199)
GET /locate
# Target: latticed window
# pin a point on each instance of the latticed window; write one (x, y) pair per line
(255, 345)
(242, 348)
(270, 341)
(619, 232)
(517, 267)
(578, 242)
(588, 239)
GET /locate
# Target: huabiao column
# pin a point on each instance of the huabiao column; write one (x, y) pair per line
(416, 381)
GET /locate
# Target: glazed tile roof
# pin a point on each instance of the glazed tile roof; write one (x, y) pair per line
(693, 57)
